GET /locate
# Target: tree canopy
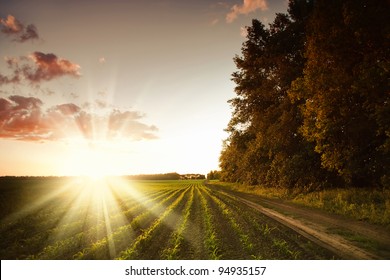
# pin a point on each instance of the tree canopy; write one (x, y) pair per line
(312, 98)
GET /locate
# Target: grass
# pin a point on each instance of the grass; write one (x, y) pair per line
(372, 205)
(358, 239)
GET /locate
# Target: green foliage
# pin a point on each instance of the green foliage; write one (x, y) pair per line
(283, 247)
(266, 229)
(211, 241)
(172, 252)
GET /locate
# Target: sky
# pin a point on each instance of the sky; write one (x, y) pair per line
(118, 87)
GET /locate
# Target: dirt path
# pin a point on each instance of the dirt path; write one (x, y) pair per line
(350, 239)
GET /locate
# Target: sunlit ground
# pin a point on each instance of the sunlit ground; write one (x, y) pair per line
(100, 197)
(92, 203)
(88, 217)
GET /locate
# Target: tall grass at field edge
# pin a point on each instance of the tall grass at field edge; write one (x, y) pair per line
(372, 205)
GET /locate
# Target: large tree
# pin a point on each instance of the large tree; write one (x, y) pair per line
(264, 146)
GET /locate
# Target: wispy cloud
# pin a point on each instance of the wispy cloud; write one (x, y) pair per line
(21, 33)
(248, 6)
(15, 77)
(73, 95)
(9, 80)
(127, 125)
(24, 118)
(214, 21)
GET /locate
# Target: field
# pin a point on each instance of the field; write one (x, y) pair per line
(115, 218)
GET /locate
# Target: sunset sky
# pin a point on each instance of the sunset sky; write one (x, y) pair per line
(118, 87)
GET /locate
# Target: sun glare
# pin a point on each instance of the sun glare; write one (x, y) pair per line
(95, 173)
(95, 162)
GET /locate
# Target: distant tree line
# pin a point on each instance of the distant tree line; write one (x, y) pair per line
(192, 177)
(167, 176)
(312, 101)
(214, 175)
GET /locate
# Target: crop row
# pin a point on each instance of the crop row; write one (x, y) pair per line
(149, 220)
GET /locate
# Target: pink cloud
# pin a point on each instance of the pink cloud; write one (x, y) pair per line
(12, 27)
(49, 66)
(24, 118)
(21, 118)
(39, 67)
(248, 6)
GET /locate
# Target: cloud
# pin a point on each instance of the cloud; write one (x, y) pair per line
(30, 33)
(24, 118)
(49, 66)
(39, 67)
(68, 109)
(101, 104)
(127, 125)
(73, 95)
(12, 27)
(21, 118)
(214, 21)
(12, 63)
(8, 80)
(248, 6)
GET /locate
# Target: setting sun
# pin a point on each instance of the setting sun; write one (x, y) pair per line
(138, 108)
(94, 162)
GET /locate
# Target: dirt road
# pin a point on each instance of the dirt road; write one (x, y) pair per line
(350, 239)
